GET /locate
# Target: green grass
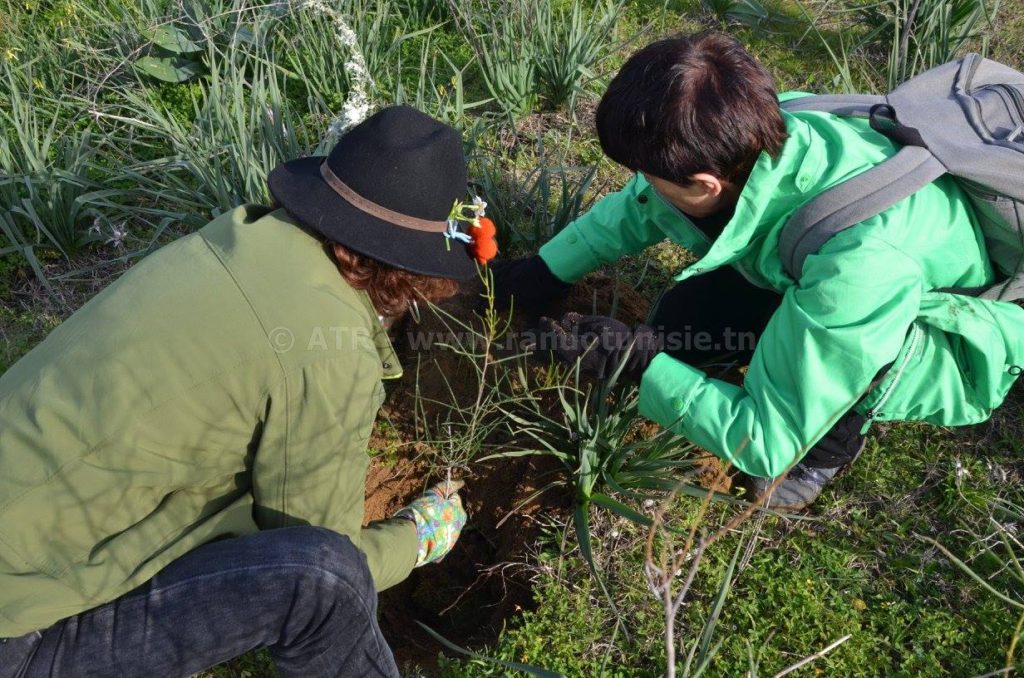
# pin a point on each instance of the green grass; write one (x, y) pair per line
(854, 569)
(20, 331)
(387, 444)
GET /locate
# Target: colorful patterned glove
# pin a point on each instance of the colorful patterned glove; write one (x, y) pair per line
(439, 519)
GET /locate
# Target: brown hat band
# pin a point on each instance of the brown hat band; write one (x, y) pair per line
(379, 211)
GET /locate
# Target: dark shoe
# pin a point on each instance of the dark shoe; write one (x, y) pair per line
(798, 490)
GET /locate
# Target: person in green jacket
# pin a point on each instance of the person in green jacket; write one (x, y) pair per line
(183, 460)
(866, 334)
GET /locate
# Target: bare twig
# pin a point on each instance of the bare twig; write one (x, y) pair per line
(817, 655)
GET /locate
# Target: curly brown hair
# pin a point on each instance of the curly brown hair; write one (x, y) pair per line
(391, 290)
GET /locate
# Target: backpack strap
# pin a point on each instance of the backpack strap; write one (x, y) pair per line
(847, 105)
(854, 200)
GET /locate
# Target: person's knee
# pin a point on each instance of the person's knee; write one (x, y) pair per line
(330, 559)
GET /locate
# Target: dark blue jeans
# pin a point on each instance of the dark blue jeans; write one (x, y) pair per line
(303, 592)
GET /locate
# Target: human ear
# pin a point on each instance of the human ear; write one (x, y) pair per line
(710, 185)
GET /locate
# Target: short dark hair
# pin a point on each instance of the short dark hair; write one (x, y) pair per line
(690, 104)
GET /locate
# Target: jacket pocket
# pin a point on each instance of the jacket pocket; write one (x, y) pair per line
(879, 401)
(960, 367)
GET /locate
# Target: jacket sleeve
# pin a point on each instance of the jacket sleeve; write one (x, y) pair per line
(848, 318)
(309, 466)
(621, 223)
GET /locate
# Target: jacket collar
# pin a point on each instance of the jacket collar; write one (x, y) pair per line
(775, 188)
(381, 342)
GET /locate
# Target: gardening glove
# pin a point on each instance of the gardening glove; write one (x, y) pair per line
(439, 519)
(526, 285)
(601, 344)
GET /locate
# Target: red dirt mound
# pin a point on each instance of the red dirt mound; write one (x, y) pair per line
(600, 294)
(466, 597)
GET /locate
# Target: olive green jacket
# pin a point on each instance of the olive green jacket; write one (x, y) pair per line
(226, 384)
(869, 298)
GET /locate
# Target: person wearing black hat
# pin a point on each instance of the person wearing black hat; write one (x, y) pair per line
(183, 460)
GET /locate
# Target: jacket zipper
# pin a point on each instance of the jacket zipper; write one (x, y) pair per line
(876, 410)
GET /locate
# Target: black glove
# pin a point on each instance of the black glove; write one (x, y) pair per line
(526, 285)
(601, 344)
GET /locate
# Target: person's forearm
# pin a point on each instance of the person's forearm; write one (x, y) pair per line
(390, 547)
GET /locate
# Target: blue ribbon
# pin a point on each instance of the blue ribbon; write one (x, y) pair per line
(453, 232)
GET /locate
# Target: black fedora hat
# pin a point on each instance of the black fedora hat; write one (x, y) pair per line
(385, 191)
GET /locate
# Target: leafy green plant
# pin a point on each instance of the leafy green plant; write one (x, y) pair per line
(478, 377)
(57, 192)
(569, 43)
(529, 50)
(502, 37)
(46, 170)
(902, 38)
(172, 57)
(921, 34)
(532, 206)
(243, 126)
(175, 50)
(751, 13)
(596, 434)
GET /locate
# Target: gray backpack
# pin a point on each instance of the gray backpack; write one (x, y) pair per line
(965, 118)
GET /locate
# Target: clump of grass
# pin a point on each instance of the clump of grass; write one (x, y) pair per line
(243, 127)
(535, 204)
(501, 35)
(471, 412)
(898, 39)
(570, 42)
(594, 433)
(531, 51)
(750, 13)
(59, 193)
(917, 35)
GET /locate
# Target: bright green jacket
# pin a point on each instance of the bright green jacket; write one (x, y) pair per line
(226, 384)
(865, 300)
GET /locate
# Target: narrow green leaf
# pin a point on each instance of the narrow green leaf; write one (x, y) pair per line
(621, 509)
(524, 453)
(581, 521)
(172, 69)
(172, 39)
(516, 666)
(705, 652)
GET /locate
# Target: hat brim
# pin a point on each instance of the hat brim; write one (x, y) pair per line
(298, 187)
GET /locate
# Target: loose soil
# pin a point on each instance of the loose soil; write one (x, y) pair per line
(486, 579)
